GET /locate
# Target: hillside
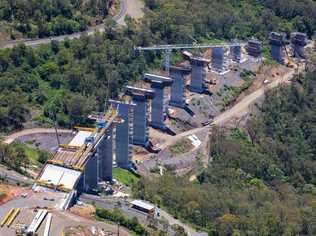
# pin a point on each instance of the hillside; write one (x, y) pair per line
(261, 180)
(34, 82)
(180, 20)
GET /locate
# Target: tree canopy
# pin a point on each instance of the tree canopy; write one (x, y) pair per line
(43, 18)
(262, 180)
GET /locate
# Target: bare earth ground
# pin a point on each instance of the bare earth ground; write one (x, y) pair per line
(133, 9)
(85, 211)
(10, 192)
(237, 111)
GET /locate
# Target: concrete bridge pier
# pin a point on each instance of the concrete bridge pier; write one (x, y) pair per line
(198, 74)
(158, 103)
(140, 98)
(177, 98)
(123, 133)
(277, 42)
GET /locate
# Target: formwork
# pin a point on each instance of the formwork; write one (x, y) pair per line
(254, 48)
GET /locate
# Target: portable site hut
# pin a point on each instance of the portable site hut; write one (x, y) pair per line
(143, 207)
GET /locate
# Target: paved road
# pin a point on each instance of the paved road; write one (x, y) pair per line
(127, 7)
(10, 138)
(111, 203)
(60, 219)
(13, 176)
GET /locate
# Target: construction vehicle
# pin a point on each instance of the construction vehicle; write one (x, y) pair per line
(90, 129)
(290, 63)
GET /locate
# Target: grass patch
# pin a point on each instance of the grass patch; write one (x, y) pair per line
(36, 156)
(124, 176)
(181, 147)
(233, 92)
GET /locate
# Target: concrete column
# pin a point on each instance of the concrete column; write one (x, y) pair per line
(198, 74)
(219, 63)
(235, 52)
(90, 178)
(123, 137)
(254, 48)
(277, 42)
(178, 87)
(299, 41)
(158, 104)
(140, 98)
(105, 155)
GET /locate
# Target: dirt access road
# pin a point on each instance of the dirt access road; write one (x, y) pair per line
(10, 138)
(133, 8)
(236, 111)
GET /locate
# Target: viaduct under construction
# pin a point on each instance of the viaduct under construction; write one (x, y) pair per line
(89, 157)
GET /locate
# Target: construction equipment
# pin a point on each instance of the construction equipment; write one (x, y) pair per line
(290, 63)
(37, 220)
(77, 156)
(90, 129)
(167, 49)
(48, 224)
(6, 218)
(15, 214)
(67, 146)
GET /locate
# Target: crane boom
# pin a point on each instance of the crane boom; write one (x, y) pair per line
(169, 47)
(187, 46)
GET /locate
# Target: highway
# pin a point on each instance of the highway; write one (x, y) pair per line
(127, 7)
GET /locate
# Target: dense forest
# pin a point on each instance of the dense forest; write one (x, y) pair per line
(262, 178)
(43, 18)
(180, 20)
(66, 81)
(70, 79)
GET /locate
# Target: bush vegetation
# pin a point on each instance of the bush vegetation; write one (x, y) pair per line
(261, 180)
(70, 79)
(50, 17)
(117, 217)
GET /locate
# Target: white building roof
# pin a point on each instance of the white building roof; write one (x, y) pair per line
(80, 137)
(143, 205)
(194, 140)
(58, 175)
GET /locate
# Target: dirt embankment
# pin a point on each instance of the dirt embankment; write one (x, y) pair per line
(85, 211)
(8, 192)
(266, 73)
